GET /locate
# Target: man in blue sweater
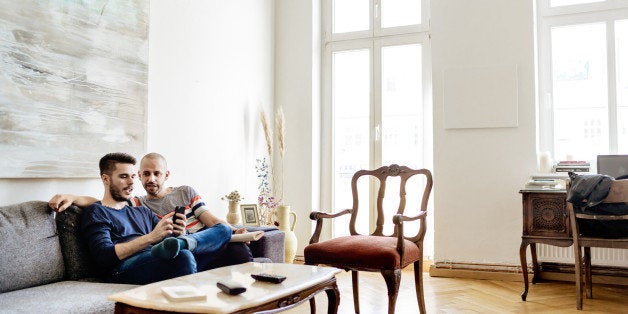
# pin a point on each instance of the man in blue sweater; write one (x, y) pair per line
(121, 238)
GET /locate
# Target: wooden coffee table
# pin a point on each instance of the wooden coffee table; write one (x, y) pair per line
(301, 284)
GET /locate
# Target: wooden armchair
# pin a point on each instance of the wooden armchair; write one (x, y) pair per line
(376, 252)
(581, 239)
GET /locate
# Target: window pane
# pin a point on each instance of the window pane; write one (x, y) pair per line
(350, 16)
(580, 101)
(351, 110)
(402, 122)
(621, 57)
(401, 12)
(559, 3)
(402, 105)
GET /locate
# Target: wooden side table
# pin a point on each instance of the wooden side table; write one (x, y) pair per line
(545, 220)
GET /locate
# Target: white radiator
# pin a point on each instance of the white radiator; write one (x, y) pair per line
(599, 256)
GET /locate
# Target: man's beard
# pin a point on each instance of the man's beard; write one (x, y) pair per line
(153, 189)
(116, 194)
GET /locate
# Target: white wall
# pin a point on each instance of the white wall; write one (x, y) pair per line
(21, 190)
(478, 172)
(210, 67)
(297, 79)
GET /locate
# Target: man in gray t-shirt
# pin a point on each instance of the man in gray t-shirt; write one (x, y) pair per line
(163, 205)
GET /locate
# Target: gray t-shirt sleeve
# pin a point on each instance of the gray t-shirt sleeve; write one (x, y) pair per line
(196, 201)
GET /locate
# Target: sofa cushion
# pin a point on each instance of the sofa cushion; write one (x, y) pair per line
(271, 245)
(78, 262)
(62, 297)
(31, 254)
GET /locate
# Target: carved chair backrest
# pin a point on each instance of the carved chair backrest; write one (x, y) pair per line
(382, 175)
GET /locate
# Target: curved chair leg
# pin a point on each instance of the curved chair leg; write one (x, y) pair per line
(392, 278)
(418, 284)
(356, 291)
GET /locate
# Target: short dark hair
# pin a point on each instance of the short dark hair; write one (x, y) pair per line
(108, 162)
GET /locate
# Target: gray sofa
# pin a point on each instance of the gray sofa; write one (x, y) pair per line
(44, 265)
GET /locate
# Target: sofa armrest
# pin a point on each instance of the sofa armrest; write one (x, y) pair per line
(271, 245)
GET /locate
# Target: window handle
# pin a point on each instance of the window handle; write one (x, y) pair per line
(376, 10)
(377, 132)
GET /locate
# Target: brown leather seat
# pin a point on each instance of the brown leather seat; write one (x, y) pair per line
(377, 252)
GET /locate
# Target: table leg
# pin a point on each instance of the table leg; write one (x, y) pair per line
(333, 299)
(524, 268)
(537, 271)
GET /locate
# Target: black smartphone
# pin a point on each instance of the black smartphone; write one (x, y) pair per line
(177, 210)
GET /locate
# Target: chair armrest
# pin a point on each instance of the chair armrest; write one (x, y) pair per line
(398, 220)
(318, 216)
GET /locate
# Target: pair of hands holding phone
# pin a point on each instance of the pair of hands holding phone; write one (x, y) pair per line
(179, 223)
(170, 226)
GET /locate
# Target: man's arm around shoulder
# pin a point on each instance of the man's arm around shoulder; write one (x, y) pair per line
(61, 202)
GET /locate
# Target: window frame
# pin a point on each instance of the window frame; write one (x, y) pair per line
(606, 12)
(375, 29)
(373, 39)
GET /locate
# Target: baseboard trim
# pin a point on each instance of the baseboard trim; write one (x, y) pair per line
(299, 259)
(548, 271)
(476, 271)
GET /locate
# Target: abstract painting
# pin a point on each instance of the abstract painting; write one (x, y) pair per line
(73, 85)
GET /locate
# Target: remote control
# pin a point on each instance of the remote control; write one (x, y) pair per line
(269, 278)
(230, 287)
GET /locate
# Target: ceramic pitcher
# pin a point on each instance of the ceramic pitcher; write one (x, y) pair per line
(283, 213)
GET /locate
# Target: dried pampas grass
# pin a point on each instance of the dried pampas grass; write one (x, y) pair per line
(268, 133)
(280, 124)
(281, 131)
(281, 137)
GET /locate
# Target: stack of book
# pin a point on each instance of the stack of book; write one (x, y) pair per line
(572, 166)
(545, 184)
(547, 181)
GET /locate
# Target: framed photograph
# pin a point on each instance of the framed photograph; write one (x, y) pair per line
(249, 214)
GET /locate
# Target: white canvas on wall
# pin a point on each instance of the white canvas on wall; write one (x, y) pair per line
(480, 97)
(73, 85)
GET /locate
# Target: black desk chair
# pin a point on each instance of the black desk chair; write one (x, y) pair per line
(583, 219)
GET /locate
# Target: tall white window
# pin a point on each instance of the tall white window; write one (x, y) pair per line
(583, 82)
(377, 108)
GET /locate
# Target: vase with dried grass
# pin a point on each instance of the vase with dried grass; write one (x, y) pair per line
(276, 206)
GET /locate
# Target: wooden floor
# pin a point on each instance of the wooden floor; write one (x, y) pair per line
(452, 295)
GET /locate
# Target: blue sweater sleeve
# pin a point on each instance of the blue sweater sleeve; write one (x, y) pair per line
(97, 230)
(155, 220)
